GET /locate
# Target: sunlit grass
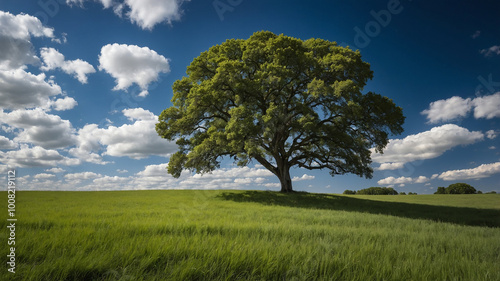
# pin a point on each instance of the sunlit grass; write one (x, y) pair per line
(249, 235)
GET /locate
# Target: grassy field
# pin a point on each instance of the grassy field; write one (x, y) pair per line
(253, 235)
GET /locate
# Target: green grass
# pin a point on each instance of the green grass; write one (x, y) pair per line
(253, 235)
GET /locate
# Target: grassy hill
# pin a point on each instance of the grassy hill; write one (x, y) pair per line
(253, 235)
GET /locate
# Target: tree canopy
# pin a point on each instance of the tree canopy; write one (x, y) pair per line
(456, 188)
(281, 101)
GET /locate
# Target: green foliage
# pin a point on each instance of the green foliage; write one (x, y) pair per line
(491, 192)
(460, 188)
(402, 193)
(253, 235)
(412, 193)
(440, 190)
(377, 191)
(281, 101)
(349, 192)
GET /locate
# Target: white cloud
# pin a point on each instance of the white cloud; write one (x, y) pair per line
(53, 59)
(456, 107)
(425, 145)
(137, 140)
(154, 171)
(144, 13)
(88, 145)
(79, 177)
(449, 109)
(482, 171)
(390, 166)
(40, 128)
(303, 178)
(493, 50)
(139, 114)
(65, 103)
(35, 157)
(148, 13)
(16, 49)
(55, 170)
(391, 181)
(112, 183)
(130, 64)
(487, 106)
(476, 34)
(44, 176)
(6, 143)
(157, 177)
(421, 179)
(491, 134)
(21, 89)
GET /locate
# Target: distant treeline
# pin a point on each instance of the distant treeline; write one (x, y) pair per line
(459, 188)
(376, 191)
(456, 188)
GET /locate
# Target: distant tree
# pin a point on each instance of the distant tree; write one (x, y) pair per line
(441, 190)
(281, 101)
(491, 192)
(460, 188)
(377, 191)
(412, 193)
(479, 192)
(402, 193)
(349, 192)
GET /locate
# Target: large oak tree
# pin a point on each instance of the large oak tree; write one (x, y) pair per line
(282, 102)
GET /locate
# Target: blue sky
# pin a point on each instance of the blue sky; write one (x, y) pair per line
(82, 83)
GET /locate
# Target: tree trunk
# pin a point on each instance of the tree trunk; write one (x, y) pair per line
(286, 181)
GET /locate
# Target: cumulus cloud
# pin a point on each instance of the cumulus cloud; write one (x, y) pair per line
(390, 166)
(44, 176)
(137, 140)
(303, 178)
(21, 89)
(156, 177)
(449, 109)
(482, 171)
(6, 143)
(36, 157)
(391, 181)
(88, 146)
(493, 50)
(487, 106)
(77, 178)
(40, 128)
(425, 145)
(55, 170)
(148, 13)
(53, 59)
(131, 64)
(491, 134)
(65, 103)
(16, 31)
(455, 107)
(144, 13)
